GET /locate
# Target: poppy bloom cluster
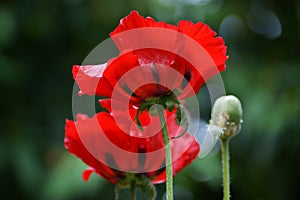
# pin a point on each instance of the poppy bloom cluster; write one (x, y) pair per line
(145, 156)
(117, 147)
(154, 65)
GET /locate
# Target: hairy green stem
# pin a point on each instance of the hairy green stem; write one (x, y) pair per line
(169, 170)
(225, 167)
(132, 190)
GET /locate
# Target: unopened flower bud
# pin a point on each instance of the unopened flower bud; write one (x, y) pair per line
(227, 114)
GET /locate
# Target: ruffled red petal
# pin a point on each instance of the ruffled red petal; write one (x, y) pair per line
(134, 20)
(90, 146)
(206, 37)
(101, 79)
(74, 144)
(90, 79)
(200, 32)
(87, 173)
(213, 45)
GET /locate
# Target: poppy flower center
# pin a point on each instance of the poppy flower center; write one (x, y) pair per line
(151, 90)
(167, 101)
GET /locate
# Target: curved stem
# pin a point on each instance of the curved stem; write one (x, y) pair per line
(225, 167)
(169, 170)
(117, 192)
(132, 190)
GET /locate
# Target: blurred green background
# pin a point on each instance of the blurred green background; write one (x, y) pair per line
(41, 40)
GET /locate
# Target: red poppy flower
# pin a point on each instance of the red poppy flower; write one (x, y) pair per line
(110, 152)
(190, 52)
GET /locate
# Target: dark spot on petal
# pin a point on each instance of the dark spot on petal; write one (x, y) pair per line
(187, 78)
(142, 157)
(110, 161)
(127, 89)
(188, 75)
(154, 72)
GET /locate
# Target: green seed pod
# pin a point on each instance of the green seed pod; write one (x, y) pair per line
(227, 114)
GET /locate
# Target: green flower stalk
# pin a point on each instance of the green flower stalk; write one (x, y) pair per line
(158, 110)
(227, 115)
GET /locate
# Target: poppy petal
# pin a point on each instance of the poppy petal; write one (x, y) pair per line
(87, 173)
(113, 164)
